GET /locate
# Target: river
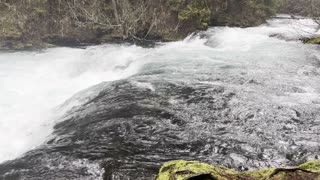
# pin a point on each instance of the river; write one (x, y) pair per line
(245, 98)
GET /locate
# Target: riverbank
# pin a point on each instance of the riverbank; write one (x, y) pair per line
(35, 24)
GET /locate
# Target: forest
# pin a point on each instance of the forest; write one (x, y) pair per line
(31, 24)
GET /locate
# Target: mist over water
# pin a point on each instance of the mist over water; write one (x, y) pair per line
(34, 84)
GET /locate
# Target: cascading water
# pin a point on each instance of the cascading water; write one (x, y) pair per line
(220, 89)
(32, 84)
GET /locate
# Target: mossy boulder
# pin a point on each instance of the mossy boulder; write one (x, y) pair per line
(313, 41)
(193, 170)
(183, 170)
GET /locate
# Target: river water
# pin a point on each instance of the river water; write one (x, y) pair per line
(261, 77)
(34, 83)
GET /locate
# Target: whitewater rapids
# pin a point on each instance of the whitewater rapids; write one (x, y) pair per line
(35, 86)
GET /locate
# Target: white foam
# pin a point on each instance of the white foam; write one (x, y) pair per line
(33, 83)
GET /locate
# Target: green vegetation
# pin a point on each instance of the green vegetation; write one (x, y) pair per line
(187, 170)
(197, 11)
(9, 30)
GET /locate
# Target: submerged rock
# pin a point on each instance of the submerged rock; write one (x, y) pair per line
(193, 170)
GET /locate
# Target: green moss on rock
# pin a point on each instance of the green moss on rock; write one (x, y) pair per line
(314, 41)
(313, 166)
(182, 170)
(192, 170)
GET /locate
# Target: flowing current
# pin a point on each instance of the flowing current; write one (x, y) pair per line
(33, 85)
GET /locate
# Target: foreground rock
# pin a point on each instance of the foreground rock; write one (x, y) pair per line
(192, 170)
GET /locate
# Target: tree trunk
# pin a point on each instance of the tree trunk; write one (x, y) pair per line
(115, 11)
